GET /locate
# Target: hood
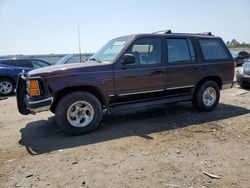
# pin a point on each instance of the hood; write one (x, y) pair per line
(66, 69)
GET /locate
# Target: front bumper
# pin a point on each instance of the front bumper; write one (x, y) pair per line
(40, 105)
(30, 105)
(243, 80)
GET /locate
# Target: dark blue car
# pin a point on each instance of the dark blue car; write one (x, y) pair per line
(10, 68)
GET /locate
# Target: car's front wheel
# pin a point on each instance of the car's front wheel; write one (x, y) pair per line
(206, 96)
(7, 87)
(78, 113)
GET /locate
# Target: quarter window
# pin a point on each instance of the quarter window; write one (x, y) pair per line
(178, 50)
(212, 49)
(146, 51)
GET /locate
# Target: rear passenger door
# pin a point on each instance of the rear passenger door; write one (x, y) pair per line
(181, 66)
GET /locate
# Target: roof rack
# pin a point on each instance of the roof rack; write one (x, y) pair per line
(170, 32)
(163, 31)
(205, 33)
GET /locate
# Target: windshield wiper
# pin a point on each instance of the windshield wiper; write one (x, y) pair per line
(96, 60)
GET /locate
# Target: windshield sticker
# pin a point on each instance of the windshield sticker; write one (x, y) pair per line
(119, 43)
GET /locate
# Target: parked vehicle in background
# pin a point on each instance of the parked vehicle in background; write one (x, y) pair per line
(243, 75)
(130, 72)
(11, 68)
(240, 57)
(65, 60)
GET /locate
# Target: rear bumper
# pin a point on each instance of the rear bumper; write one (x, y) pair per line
(29, 105)
(243, 79)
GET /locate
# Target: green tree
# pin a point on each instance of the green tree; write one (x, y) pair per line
(235, 44)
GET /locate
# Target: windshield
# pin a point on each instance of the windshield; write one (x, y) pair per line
(111, 50)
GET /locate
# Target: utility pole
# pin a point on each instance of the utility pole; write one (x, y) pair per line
(79, 42)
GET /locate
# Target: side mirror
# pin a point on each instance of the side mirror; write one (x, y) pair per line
(128, 59)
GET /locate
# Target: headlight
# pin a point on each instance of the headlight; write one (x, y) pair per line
(33, 88)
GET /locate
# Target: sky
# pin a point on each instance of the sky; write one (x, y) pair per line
(50, 26)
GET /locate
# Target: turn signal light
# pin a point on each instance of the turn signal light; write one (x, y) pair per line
(34, 92)
(34, 84)
(34, 89)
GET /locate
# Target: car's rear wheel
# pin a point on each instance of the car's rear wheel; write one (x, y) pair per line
(7, 87)
(206, 96)
(78, 113)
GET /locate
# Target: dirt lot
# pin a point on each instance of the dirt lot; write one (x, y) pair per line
(167, 146)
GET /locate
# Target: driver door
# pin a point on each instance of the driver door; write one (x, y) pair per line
(144, 78)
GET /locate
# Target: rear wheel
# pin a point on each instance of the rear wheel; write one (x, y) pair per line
(79, 113)
(6, 87)
(206, 96)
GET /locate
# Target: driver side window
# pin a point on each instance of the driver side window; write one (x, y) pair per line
(146, 51)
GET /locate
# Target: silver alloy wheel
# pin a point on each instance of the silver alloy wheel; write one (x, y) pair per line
(6, 87)
(209, 96)
(80, 114)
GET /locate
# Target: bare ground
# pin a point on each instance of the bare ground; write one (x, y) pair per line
(166, 146)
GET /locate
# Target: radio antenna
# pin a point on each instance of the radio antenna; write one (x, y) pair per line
(79, 42)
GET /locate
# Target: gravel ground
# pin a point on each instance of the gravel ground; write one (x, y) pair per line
(166, 146)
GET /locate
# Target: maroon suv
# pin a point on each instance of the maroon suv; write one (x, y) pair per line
(130, 72)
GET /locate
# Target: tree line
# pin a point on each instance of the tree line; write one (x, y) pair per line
(235, 44)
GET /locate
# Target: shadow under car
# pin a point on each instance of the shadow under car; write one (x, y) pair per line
(44, 136)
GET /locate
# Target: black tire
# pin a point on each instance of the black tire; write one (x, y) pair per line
(9, 81)
(64, 105)
(198, 101)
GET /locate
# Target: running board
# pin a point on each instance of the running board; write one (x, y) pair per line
(136, 105)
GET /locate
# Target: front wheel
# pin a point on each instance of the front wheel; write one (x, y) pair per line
(78, 113)
(206, 96)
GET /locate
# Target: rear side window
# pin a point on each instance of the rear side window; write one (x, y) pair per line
(180, 50)
(213, 49)
(22, 63)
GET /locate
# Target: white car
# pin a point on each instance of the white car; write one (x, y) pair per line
(243, 75)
